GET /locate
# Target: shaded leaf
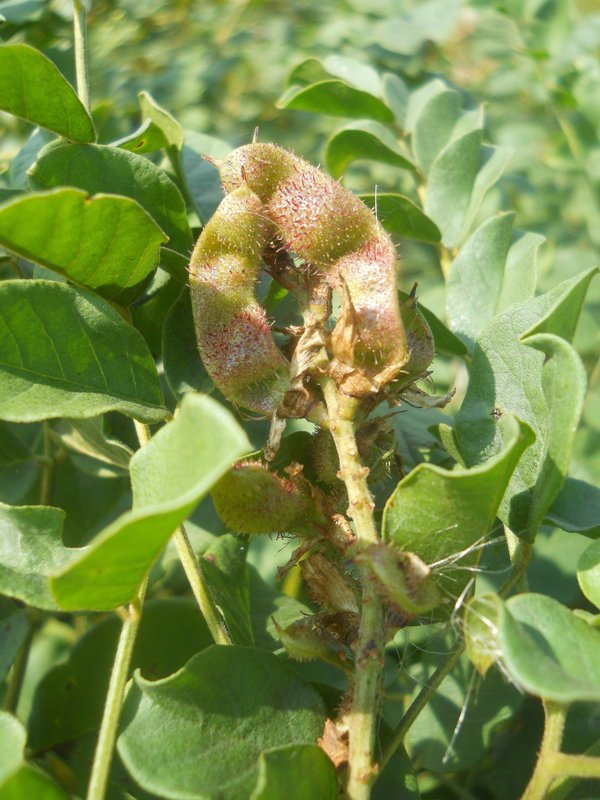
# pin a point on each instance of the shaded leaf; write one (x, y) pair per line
(576, 508)
(400, 215)
(295, 772)
(161, 118)
(169, 476)
(111, 170)
(31, 87)
(183, 366)
(14, 627)
(337, 99)
(58, 347)
(233, 701)
(201, 177)
(69, 699)
(548, 651)
(363, 140)
(107, 243)
(226, 574)
(88, 437)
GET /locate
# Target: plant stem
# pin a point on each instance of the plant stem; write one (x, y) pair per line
(544, 773)
(362, 718)
(80, 42)
(47, 467)
(193, 569)
(421, 700)
(17, 674)
(114, 698)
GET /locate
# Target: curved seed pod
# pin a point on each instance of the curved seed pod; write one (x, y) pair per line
(324, 223)
(234, 337)
(251, 499)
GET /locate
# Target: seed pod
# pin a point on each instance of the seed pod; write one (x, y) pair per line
(252, 499)
(330, 586)
(328, 226)
(234, 337)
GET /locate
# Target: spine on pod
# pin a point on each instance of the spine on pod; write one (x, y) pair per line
(328, 226)
(233, 334)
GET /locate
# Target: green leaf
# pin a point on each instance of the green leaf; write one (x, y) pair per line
(588, 573)
(147, 138)
(577, 508)
(434, 125)
(183, 366)
(444, 741)
(477, 276)
(445, 341)
(224, 568)
(199, 733)
(450, 185)
(337, 99)
(31, 549)
(548, 651)
(396, 96)
(466, 504)
(364, 140)
(169, 476)
(408, 32)
(14, 627)
(31, 87)
(107, 243)
(87, 437)
(400, 215)
(69, 700)
(492, 163)
(19, 780)
(507, 376)
(111, 170)
(295, 772)
(66, 353)
(27, 155)
(200, 175)
(564, 385)
(161, 119)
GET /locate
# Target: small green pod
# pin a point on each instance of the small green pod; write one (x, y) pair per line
(232, 331)
(252, 499)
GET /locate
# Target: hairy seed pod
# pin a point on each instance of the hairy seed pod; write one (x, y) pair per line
(234, 337)
(328, 226)
(252, 499)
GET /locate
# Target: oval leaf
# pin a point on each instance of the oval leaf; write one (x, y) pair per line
(169, 476)
(363, 140)
(31, 87)
(232, 701)
(107, 243)
(548, 651)
(102, 168)
(400, 215)
(337, 99)
(66, 353)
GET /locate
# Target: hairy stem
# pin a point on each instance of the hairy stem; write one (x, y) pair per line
(545, 769)
(80, 41)
(114, 698)
(362, 718)
(193, 570)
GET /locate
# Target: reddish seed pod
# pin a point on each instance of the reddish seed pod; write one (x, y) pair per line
(233, 334)
(324, 223)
